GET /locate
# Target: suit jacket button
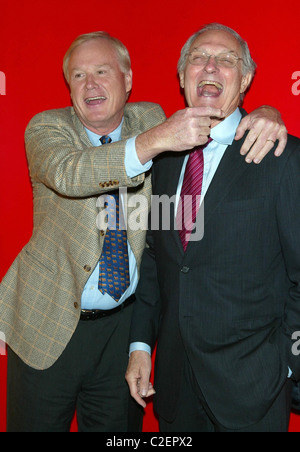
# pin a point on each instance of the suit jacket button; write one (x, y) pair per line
(87, 268)
(76, 306)
(185, 270)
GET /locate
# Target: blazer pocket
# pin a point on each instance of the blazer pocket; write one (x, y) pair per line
(243, 205)
(38, 263)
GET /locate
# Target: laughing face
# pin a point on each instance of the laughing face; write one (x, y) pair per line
(99, 88)
(210, 84)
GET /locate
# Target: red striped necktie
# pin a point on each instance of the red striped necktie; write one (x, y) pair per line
(190, 195)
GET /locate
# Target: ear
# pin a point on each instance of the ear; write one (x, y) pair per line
(182, 78)
(246, 82)
(128, 81)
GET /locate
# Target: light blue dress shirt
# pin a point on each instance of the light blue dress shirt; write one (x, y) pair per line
(223, 136)
(91, 297)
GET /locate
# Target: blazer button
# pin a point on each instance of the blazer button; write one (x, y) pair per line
(76, 305)
(87, 268)
(185, 270)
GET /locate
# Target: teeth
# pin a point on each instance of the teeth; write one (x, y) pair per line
(206, 82)
(95, 98)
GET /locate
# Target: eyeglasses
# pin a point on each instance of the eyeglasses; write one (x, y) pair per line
(225, 59)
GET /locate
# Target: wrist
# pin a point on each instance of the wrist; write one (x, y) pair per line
(139, 347)
(150, 144)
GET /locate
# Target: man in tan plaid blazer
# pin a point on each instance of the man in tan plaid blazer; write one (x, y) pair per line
(58, 359)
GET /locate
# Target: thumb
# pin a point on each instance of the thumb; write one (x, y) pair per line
(144, 384)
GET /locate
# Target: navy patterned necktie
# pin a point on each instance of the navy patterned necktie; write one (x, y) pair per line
(105, 139)
(114, 277)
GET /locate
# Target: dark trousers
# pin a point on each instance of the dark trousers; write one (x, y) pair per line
(194, 414)
(89, 377)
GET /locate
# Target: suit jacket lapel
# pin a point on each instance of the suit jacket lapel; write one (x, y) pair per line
(231, 168)
(175, 164)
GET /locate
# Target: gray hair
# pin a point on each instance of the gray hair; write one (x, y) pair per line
(121, 50)
(249, 64)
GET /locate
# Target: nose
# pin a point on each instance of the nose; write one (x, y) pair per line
(211, 66)
(91, 82)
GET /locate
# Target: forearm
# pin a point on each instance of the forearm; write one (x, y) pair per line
(77, 172)
(147, 308)
(149, 145)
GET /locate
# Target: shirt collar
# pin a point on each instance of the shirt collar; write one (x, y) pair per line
(225, 132)
(116, 135)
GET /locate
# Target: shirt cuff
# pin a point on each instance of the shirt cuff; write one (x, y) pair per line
(139, 347)
(133, 165)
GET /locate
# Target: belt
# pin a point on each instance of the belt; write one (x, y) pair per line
(100, 314)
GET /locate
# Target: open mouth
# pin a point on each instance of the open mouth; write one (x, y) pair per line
(95, 100)
(210, 89)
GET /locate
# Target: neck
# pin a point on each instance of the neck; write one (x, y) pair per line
(104, 129)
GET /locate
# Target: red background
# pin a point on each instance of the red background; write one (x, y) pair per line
(34, 36)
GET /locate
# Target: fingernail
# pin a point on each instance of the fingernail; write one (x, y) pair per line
(248, 160)
(257, 161)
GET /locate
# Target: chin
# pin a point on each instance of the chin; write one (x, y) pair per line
(208, 102)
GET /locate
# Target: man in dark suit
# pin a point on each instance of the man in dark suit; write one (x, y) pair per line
(224, 308)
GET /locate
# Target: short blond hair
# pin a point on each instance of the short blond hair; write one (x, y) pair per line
(121, 50)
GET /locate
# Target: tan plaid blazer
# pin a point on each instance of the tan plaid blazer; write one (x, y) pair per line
(40, 295)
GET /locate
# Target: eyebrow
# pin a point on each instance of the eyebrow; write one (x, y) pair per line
(98, 66)
(223, 51)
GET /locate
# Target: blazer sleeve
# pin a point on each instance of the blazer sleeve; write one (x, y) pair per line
(288, 218)
(57, 158)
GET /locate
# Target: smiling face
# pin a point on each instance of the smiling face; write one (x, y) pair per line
(210, 84)
(99, 88)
